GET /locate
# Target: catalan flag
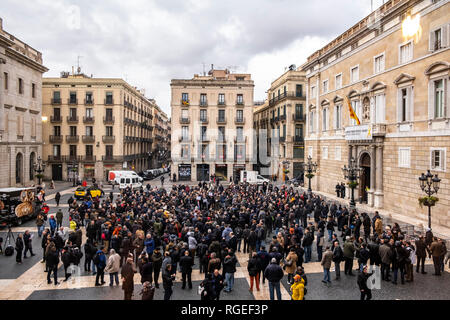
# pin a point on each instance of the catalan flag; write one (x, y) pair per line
(352, 112)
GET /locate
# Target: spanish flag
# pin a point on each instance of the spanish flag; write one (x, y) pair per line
(352, 112)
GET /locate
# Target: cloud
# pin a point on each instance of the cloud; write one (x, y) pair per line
(148, 43)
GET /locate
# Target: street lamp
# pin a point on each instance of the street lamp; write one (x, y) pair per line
(39, 167)
(352, 174)
(310, 167)
(426, 182)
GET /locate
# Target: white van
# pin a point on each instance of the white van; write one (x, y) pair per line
(129, 181)
(252, 177)
(114, 177)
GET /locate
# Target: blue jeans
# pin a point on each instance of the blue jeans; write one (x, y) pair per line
(112, 276)
(307, 254)
(93, 267)
(319, 253)
(40, 230)
(274, 286)
(330, 235)
(326, 275)
(259, 243)
(229, 280)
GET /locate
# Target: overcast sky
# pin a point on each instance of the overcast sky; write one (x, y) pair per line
(150, 42)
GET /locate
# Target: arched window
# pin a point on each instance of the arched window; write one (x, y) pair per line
(19, 168)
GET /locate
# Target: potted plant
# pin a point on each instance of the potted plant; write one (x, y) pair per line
(309, 175)
(428, 201)
(352, 184)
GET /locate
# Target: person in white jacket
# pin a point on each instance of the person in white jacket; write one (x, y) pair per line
(113, 267)
(410, 262)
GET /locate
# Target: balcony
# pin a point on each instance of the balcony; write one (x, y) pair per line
(221, 121)
(204, 120)
(58, 158)
(88, 158)
(108, 120)
(88, 102)
(72, 101)
(88, 119)
(55, 119)
(56, 139)
(72, 119)
(56, 101)
(184, 139)
(239, 103)
(378, 129)
(298, 117)
(298, 140)
(203, 103)
(220, 103)
(108, 139)
(282, 139)
(109, 101)
(72, 139)
(283, 117)
(284, 95)
(112, 159)
(88, 139)
(184, 120)
(239, 120)
(71, 158)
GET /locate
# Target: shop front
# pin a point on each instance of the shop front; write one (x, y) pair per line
(184, 172)
(222, 171)
(237, 168)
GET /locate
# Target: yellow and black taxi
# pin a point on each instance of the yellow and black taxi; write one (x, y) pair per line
(82, 192)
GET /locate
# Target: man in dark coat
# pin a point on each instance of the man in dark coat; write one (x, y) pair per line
(186, 263)
(274, 274)
(127, 273)
(27, 241)
(168, 279)
(52, 265)
(421, 253)
(157, 263)
(19, 248)
(366, 293)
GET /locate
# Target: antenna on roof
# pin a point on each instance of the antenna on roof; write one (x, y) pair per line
(78, 65)
(204, 72)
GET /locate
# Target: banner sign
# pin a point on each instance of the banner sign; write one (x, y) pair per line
(362, 132)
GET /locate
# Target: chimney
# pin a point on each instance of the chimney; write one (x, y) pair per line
(73, 71)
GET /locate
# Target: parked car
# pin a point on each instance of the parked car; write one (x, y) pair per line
(298, 181)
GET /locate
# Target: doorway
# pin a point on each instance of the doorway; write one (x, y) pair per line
(57, 172)
(365, 177)
(203, 172)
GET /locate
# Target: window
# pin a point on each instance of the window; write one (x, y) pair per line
(284, 131)
(324, 152)
(240, 134)
(338, 81)
(109, 150)
(379, 105)
(325, 119)
(221, 115)
(240, 115)
(299, 111)
(89, 131)
(109, 131)
(338, 116)
(89, 113)
(337, 153)
(89, 99)
(20, 86)
(221, 98)
(203, 115)
(299, 131)
(33, 90)
(438, 38)
(5, 79)
(203, 100)
(313, 92)
(298, 90)
(404, 105)
(406, 52)
(378, 63)
(185, 133)
(73, 98)
(89, 150)
(404, 157)
(239, 152)
(72, 113)
(221, 136)
(310, 152)
(109, 114)
(56, 96)
(438, 159)
(184, 114)
(325, 86)
(240, 99)
(354, 74)
(57, 131)
(185, 151)
(73, 150)
(356, 108)
(439, 98)
(221, 152)
(109, 98)
(203, 134)
(56, 150)
(57, 113)
(299, 152)
(73, 130)
(311, 121)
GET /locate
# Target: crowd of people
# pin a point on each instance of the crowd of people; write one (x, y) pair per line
(157, 232)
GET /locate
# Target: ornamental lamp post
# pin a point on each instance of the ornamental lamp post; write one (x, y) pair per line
(39, 167)
(310, 167)
(352, 173)
(430, 185)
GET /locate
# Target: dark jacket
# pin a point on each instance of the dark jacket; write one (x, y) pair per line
(147, 272)
(229, 264)
(273, 273)
(253, 267)
(362, 281)
(186, 263)
(52, 258)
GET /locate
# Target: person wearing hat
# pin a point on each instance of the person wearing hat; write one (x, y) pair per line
(298, 288)
(366, 293)
(274, 274)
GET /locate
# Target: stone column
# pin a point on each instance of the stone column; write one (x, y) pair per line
(370, 197)
(378, 203)
(348, 191)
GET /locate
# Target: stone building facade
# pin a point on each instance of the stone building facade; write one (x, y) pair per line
(212, 126)
(21, 72)
(95, 125)
(393, 67)
(279, 125)
(160, 154)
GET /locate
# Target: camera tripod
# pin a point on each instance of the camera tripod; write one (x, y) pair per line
(9, 236)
